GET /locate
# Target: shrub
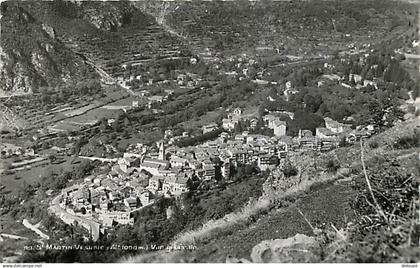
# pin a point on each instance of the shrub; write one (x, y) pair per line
(332, 165)
(373, 144)
(289, 170)
(409, 141)
(389, 236)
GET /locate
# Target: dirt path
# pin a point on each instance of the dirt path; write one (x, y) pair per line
(408, 155)
(35, 228)
(10, 236)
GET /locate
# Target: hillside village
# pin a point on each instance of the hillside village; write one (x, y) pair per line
(160, 121)
(142, 176)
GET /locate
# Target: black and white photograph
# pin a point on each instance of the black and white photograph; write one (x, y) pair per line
(209, 131)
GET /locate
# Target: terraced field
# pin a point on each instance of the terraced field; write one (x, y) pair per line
(139, 44)
(293, 27)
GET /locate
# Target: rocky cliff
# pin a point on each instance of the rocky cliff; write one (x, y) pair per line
(9, 121)
(31, 56)
(34, 46)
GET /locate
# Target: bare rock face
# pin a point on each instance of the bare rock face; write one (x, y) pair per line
(49, 30)
(36, 58)
(107, 16)
(158, 9)
(19, 76)
(9, 121)
(170, 213)
(277, 184)
(25, 64)
(17, 80)
(298, 248)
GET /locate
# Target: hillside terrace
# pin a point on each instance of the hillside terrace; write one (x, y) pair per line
(28, 107)
(136, 44)
(319, 28)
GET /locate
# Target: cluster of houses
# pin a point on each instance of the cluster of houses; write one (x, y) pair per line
(9, 150)
(248, 148)
(145, 173)
(108, 198)
(146, 99)
(188, 79)
(169, 135)
(324, 139)
(359, 81)
(21, 158)
(233, 120)
(329, 137)
(277, 125)
(272, 121)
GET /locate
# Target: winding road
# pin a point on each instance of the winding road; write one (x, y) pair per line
(92, 226)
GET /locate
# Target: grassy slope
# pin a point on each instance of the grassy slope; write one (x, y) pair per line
(15, 182)
(324, 206)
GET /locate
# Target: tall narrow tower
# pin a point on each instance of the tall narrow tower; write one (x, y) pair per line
(162, 152)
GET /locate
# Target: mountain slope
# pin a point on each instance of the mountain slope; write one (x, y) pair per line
(41, 41)
(290, 26)
(31, 55)
(320, 200)
(9, 120)
(115, 36)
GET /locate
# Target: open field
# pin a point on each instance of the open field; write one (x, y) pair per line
(208, 118)
(27, 162)
(128, 101)
(92, 115)
(15, 182)
(59, 117)
(15, 227)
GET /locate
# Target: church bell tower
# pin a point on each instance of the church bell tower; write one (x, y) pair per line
(162, 153)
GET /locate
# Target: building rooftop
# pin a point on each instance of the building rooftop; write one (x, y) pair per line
(154, 161)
